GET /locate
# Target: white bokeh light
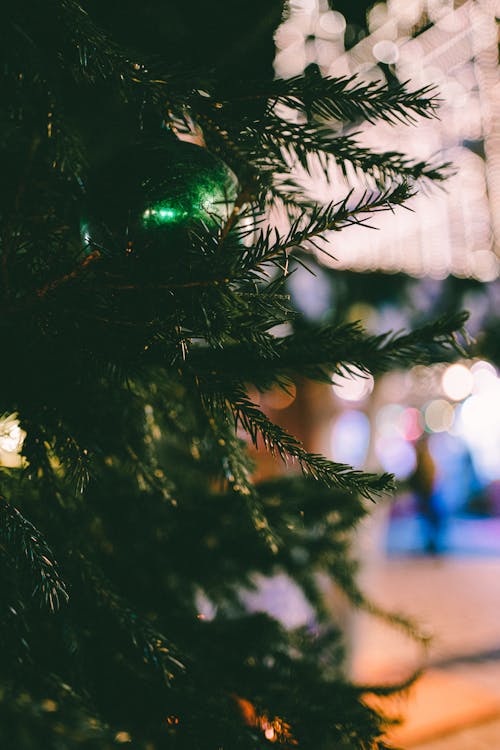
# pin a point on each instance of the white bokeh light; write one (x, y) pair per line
(354, 386)
(484, 376)
(386, 51)
(457, 382)
(350, 438)
(479, 425)
(396, 456)
(332, 22)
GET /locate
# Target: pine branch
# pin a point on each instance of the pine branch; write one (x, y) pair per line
(71, 276)
(384, 165)
(445, 333)
(336, 349)
(344, 98)
(25, 543)
(14, 629)
(312, 224)
(237, 469)
(53, 710)
(281, 142)
(279, 442)
(154, 647)
(349, 99)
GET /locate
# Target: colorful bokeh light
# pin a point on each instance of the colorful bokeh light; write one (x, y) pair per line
(439, 415)
(350, 438)
(411, 424)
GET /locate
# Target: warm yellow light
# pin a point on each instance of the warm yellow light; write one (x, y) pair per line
(11, 441)
(123, 737)
(274, 730)
(270, 734)
(439, 415)
(277, 398)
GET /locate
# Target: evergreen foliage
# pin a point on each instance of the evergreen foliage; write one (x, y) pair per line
(130, 375)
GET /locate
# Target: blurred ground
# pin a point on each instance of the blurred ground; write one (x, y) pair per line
(482, 737)
(456, 602)
(463, 536)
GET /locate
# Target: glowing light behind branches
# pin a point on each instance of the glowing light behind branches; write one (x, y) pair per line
(354, 385)
(456, 230)
(11, 441)
(463, 400)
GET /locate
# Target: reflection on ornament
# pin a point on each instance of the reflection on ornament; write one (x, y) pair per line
(149, 189)
(161, 215)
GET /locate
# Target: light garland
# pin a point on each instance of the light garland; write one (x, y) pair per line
(11, 441)
(456, 231)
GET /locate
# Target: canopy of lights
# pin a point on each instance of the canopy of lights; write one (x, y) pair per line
(453, 46)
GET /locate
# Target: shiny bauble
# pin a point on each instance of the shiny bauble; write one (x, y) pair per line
(146, 196)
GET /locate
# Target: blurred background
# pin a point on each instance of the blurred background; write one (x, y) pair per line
(434, 552)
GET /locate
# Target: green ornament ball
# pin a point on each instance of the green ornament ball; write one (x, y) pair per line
(145, 197)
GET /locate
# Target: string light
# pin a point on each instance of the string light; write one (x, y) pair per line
(122, 737)
(456, 232)
(274, 730)
(11, 441)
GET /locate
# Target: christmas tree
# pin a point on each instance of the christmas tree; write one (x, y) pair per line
(143, 280)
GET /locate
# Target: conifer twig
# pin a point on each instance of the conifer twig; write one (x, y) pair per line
(156, 649)
(26, 543)
(94, 256)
